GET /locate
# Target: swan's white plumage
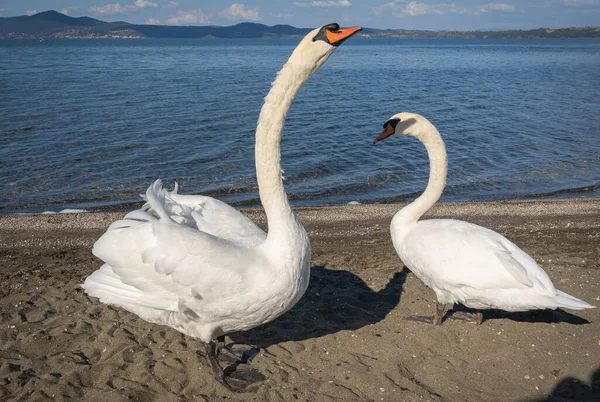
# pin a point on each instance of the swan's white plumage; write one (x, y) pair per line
(214, 217)
(198, 283)
(198, 265)
(460, 261)
(475, 266)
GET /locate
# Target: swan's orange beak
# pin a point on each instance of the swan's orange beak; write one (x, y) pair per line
(337, 37)
(387, 131)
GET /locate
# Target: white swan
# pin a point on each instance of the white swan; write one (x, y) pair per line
(460, 261)
(198, 265)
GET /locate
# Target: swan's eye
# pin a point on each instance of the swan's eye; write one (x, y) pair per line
(322, 34)
(391, 122)
(332, 27)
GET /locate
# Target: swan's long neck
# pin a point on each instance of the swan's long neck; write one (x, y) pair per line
(438, 167)
(267, 150)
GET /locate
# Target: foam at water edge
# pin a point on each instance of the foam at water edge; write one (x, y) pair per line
(65, 211)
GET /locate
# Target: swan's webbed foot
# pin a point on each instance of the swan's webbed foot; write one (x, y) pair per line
(241, 379)
(212, 351)
(476, 317)
(440, 312)
(437, 319)
(238, 354)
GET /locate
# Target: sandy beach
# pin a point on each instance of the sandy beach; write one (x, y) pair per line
(347, 339)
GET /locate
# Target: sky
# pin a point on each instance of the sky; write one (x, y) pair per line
(434, 15)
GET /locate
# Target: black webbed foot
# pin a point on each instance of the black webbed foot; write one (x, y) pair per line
(232, 378)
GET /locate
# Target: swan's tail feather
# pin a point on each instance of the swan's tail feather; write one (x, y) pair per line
(164, 204)
(106, 285)
(156, 197)
(567, 301)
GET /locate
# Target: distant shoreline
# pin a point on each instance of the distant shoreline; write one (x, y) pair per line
(359, 37)
(52, 24)
(280, 37)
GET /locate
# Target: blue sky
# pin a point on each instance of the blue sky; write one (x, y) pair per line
(422, 14)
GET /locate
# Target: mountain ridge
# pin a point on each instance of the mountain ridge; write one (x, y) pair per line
(52, 24)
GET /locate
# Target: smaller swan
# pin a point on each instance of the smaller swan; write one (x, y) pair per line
(460, 261)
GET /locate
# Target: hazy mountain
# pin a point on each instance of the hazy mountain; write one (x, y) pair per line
(52, 24)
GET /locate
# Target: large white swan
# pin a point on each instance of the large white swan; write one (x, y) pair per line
(198, 265)
(460, 261)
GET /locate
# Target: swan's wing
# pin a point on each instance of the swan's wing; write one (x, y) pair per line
(156, 266)
(463, 254)
(170, 274)
(214, 217)
(172, 261)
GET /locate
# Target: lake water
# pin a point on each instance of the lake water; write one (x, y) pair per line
(91, 123)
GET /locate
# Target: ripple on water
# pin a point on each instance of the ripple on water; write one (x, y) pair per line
(89, 124)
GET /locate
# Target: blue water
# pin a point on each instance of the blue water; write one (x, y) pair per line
(90, 123)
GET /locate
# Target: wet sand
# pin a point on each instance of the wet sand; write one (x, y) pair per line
(347, 339)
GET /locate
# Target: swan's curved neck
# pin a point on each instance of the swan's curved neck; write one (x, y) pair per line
(438, 167)
(280, 216)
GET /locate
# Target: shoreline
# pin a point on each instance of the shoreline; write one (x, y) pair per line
(254, 204)
(532, 208)
(347, 338)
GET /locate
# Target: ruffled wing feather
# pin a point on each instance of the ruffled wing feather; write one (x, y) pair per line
(212, 216)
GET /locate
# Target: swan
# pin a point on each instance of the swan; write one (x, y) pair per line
(463, 262)
(198, 265)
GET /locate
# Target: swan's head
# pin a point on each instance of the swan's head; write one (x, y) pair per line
(316, 47)
(404, 124)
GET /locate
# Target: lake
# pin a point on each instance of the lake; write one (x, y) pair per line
(91, 123)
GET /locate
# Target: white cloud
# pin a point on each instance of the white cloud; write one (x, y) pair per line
(117, 8)
(339, 3)
(171, 4)
(497, 7)
(67, 9)
(414, 9)
(575, 3)
(400, 8)
(143, 4)
(152, 21)
(30, 12)
(109, 9)
(393, 5)
(189, 18)
(238, 12)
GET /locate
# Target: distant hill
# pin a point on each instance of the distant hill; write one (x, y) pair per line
(243, 30)
(56, 25)
(52, 24)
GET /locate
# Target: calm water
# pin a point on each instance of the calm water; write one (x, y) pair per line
(90, 123)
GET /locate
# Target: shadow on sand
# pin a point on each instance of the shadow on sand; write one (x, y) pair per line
(546, 316)
(335, 300)
(572, 389)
